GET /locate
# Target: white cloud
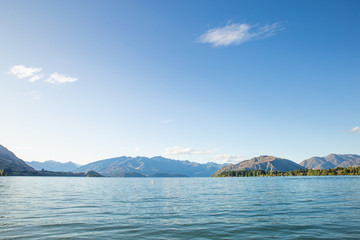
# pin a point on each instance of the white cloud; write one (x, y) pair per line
(35, 78)
(228, 158)
(187, 151)
(21, 72)
(355, 129)
(57, 79)
(238, 33)
(32, 75)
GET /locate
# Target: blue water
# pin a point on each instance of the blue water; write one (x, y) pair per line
(180, 208)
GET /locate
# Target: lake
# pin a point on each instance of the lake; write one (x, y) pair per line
(180, 208)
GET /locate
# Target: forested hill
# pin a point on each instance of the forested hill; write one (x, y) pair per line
(300, 172)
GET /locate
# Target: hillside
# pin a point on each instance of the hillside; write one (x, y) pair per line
(12, 164)
(54, 166)
(265, 163)
(149, 166)
(332, 161)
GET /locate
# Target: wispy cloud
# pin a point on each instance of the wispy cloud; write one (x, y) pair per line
(228, 158)
(171, 151)
(35, 78)
(57, 79)
(355, 129)
(32, 75)
(21, 72)
(238, 33)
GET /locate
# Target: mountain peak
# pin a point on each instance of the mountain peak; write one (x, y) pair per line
(149, 166)
(332, 161)
(263, 162)
(55, 166)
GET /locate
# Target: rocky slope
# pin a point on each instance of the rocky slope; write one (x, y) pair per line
(265, 163)
(12, 164)
(332, 161)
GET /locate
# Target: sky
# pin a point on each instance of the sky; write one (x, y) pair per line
(205, 81)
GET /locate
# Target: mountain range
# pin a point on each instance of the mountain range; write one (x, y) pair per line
(54, 166)
(332, 161)
(150, 166)
(265, 163)
(164, 167)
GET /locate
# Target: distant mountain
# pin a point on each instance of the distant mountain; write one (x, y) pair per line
(265, 163)
(149, 166)
(54, 166)
(12, 164)
(332, 161)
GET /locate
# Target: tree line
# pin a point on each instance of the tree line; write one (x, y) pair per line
(299, 172)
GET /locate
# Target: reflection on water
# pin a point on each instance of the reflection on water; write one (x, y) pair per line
(180, 208)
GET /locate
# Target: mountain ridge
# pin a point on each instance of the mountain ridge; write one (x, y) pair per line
(126, 166)
(264, 162)
(149, 166)
(332, 161)
(9, 162)
(52, 165)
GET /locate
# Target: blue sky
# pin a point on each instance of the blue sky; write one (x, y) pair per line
(205, 81)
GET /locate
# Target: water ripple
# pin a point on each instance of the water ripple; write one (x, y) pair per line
(180, 208)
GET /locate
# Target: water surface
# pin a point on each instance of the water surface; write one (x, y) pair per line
(180, 208)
